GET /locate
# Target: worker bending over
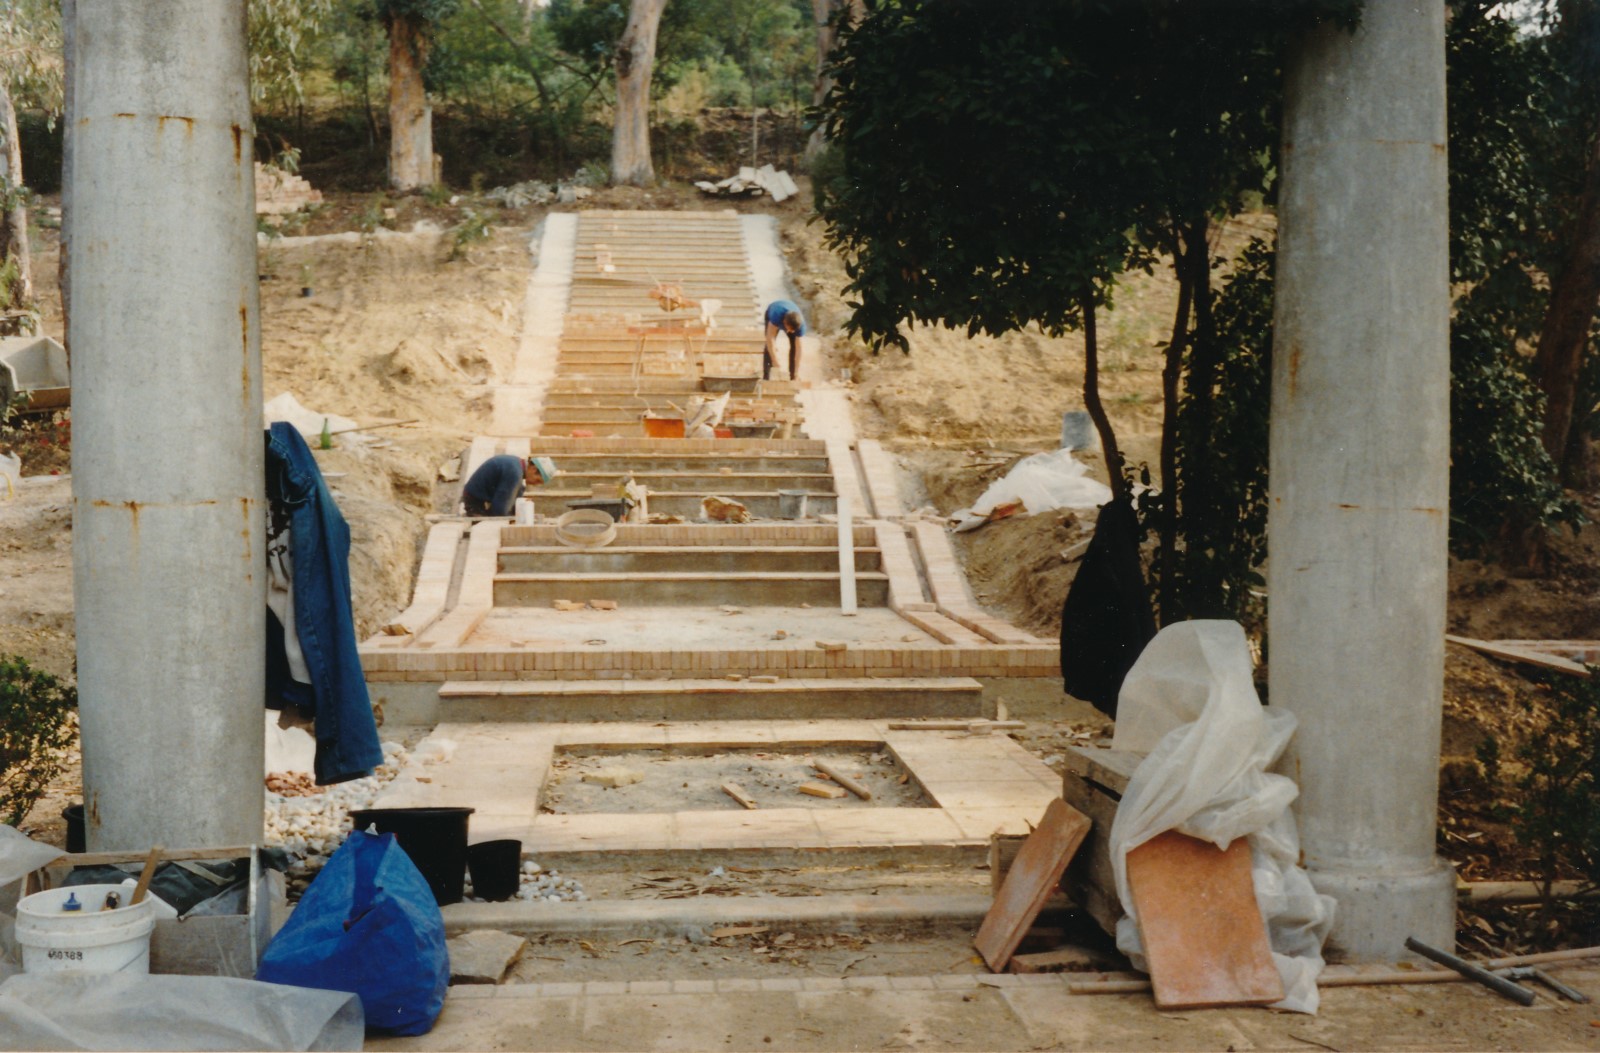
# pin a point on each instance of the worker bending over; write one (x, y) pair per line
(783, 316)
(494, 488)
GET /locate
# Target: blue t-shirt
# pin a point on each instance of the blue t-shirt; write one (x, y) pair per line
(497, 483)
(778, 308)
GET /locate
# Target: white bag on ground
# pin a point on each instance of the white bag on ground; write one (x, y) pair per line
(1189, 704)
(124, 1011)
(1042, 482)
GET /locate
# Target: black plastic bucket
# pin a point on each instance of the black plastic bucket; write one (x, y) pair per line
(76, 840)
(434, 838)
(496, 868)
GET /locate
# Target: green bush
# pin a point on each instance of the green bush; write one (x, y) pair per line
(1554, 779)
(35, 727)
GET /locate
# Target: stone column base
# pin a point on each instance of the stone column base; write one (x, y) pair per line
(1377, 912)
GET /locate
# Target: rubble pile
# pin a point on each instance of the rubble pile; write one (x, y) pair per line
(279, 192)
(752, 182)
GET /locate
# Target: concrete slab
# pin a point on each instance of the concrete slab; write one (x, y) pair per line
(975, 1012)
(483, 955)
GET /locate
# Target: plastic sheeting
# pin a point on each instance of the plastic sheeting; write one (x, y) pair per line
(123, 1011)
(1042, 482)
(1189, 704)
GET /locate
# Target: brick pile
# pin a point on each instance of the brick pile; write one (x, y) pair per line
(279, 193)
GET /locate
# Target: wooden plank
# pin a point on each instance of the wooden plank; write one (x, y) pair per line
(823, 790)
(1202, 931)
(1003, 849)
(1507, 650)
(734, 791)
(1034, 875)
(833, 772)
(1065, 959)
(847, 554)
(1109, 768)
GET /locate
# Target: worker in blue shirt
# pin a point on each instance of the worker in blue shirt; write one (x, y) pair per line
(783, 316)
(494, 488)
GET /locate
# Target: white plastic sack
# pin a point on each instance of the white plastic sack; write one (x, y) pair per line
(125, 1011)
(288, 749)
(1043, 482)
(307, 421)
(1189, 704)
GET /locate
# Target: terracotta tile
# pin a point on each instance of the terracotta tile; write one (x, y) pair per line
(1201, 928)
(1033, 876)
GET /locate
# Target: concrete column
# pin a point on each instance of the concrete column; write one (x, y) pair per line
(1359, 468)
(167, 460)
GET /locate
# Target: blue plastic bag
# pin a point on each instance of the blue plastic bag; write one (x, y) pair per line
(369, 925)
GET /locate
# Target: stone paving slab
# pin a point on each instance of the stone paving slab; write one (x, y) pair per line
(974, 1011)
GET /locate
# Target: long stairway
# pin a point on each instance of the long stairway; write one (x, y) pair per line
(829, 618)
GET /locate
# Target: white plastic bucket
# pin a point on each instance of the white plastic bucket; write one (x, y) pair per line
(90, 940)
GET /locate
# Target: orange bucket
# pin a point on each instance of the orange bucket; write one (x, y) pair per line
(663, 427)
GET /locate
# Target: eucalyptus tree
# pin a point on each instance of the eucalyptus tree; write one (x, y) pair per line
(410, 25)
(30, 73)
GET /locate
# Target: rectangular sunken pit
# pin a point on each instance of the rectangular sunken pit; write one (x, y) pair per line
(971, 786)
(585, 780)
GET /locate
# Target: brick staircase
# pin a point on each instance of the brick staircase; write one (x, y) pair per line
(797, 630)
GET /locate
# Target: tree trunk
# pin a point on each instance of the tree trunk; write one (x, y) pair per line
(822, 12)
(14, 217)
(635, 59)
(410, 118)
(1566, 322)
(1171, 374)
(1091, 396)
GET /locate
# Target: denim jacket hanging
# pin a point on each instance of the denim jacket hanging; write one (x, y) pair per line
(319, 552)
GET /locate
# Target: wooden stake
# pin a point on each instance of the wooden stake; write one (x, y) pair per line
(145, 875)
(842, 779)
(822, 789)
(739, 795)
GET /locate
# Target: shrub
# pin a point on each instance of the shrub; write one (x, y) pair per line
(1555, 811)
(35, 727)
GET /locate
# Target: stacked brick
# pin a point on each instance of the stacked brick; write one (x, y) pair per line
(279, 193)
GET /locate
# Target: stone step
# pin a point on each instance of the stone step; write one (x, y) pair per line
(615, 559)
(754, 589)
(657, 386)
(704, 482)
(635, 535)
(564, 412)
(649, 700)
(761, 504)
(704, 463)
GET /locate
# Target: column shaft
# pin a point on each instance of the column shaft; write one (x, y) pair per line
(168, 568)
(1360, 467)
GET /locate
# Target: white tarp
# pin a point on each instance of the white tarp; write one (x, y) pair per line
(1042, 482)
(125, 1011)
(308, 422)
(1189, 704)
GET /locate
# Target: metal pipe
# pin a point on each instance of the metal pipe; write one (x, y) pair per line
(1498, 984)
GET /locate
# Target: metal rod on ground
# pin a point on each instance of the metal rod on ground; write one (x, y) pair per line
(1358, 978)
(375, 427)
(1528, 972)
(1499, 984)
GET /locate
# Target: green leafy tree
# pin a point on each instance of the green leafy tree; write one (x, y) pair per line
(282, 33)
(1003, 166)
